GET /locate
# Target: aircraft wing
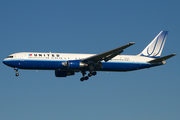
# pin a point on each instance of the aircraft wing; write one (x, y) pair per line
(161, 58)
(106, 56)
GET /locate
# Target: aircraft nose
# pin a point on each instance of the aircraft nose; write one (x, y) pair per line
(5, 62)
(8, 62)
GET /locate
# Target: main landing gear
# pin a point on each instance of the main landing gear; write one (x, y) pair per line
(16, 70)
(87, 77)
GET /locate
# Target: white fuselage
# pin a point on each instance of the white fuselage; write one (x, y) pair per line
(53, 61)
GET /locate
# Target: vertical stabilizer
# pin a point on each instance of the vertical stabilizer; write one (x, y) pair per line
(155, 48)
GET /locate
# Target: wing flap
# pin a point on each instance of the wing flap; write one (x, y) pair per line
(108, 55)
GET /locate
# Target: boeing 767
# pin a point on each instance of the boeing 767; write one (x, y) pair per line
(67, 64)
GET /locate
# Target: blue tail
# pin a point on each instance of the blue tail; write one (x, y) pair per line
(155, 48)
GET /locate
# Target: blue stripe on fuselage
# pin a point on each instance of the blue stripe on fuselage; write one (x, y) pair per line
(35, 64)
(57, 64)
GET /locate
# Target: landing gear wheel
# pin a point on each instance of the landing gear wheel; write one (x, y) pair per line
(86, 78)
(82, 79)
(90, 74)
(94, 73)
(16, 70)
(17, 74)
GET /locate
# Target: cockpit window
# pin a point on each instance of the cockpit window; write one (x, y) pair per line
(10, 57)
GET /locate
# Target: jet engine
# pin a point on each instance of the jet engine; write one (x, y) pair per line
(59, 73)
(74, 64)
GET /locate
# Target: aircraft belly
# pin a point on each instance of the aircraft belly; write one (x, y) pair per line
(123, 66)
(37, 64)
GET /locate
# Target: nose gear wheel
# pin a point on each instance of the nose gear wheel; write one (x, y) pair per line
(16, 70)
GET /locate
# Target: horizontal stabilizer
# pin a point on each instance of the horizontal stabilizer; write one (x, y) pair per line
(162, 58)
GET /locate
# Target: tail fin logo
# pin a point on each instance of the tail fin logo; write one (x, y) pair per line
(155, 48)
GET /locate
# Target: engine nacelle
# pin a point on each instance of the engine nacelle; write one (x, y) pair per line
(63, 73)
(74, 64)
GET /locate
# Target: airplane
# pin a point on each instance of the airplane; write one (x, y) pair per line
(67, 64)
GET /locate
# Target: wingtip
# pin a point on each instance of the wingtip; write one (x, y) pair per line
(174, 54)
(131, 43)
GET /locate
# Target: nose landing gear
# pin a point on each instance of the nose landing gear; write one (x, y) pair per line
(16, 70)
(17, 74)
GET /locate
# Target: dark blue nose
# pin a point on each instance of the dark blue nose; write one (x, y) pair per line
(4, 61)
(8, 62)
